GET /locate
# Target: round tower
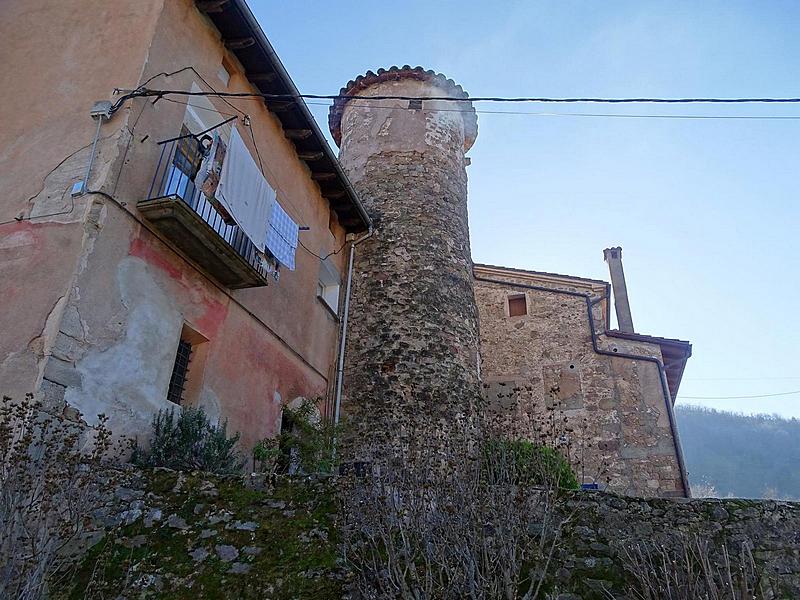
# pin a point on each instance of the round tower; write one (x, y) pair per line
(411, 372)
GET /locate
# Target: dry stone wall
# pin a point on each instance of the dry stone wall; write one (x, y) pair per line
(592, 561)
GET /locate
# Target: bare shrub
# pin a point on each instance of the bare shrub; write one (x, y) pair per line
(455, 522)
(685, 568)
(49, 488)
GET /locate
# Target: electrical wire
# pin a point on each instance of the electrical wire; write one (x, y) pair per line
(736, 378)
(141, 89)
(737, 397)
(322, 258)
(214, 110)
(593, 100)
(573, 114)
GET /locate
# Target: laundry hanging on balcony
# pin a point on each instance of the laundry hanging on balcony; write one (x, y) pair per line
(243, 191)
(207, 178)
(282, 235)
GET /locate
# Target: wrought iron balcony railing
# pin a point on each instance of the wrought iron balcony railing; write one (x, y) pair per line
(182, 213)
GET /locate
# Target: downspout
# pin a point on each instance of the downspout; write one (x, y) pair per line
(590, 302)
(343, 336)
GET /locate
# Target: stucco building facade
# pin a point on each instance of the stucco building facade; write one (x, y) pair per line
(105, 292)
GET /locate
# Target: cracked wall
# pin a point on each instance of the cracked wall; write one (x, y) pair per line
(95, 300)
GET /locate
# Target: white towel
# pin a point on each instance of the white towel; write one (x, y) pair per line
(244, 192)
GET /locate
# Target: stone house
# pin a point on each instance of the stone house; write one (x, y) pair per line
(553, 369)
(437, 342)
(135, 294)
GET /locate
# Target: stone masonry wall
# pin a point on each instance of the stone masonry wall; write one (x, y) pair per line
(411, 368)
(184, 532)
(543, 380)
(591, 563)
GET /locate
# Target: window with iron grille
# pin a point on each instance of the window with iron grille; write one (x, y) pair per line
(180, 371)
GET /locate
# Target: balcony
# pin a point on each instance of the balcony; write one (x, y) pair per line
(183, 214)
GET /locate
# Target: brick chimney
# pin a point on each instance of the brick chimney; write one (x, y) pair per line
(613, 256)
(411, 358)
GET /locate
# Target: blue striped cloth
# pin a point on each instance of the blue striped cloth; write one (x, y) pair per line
(282, 234)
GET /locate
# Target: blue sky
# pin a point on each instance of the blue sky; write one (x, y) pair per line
(705, 210)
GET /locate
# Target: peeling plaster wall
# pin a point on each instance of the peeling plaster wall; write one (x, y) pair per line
(58, 59)
(114, 354)
(98, 300)
(543, 380)
(411, 372)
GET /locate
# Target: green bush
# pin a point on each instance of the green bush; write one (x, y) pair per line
(523, 462)
(307, 444)
(188, 442)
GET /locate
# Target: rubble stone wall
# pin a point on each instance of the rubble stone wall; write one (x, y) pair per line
(542, 380)
(411, 370)
(603, 529)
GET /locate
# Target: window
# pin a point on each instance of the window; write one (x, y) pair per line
(187, 371)
(517, 306)
(180, 371)
(329, 284)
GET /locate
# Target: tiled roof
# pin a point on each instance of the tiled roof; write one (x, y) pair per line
(449, 88)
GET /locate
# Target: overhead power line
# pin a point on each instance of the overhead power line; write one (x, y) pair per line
(574, 114)
(736, 397)
(578, 100)
(735, 378)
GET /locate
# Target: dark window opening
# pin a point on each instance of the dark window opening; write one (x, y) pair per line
(180, 371)
(517, 306)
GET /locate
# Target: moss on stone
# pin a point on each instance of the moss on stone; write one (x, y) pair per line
(290, 554)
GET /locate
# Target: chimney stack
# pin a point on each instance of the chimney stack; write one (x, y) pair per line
(613, 256)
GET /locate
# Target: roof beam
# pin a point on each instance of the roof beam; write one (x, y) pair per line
(297, 134)
(323, 176)
(310, 156)
(279, 106)
(262, 77)
(239, 43)
(211, 6)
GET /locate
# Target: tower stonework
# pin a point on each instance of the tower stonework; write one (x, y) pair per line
(411, 371)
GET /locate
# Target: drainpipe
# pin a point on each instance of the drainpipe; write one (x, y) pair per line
(345, 314)
(590, 303)
(613, 256)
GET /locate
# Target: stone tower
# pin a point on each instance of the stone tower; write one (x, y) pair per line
(411, 369)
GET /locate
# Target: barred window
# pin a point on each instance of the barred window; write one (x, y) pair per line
(180, 372)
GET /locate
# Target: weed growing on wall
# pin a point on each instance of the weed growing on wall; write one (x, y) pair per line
(307, 443)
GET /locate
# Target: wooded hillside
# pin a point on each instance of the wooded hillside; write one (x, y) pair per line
(729, 454)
